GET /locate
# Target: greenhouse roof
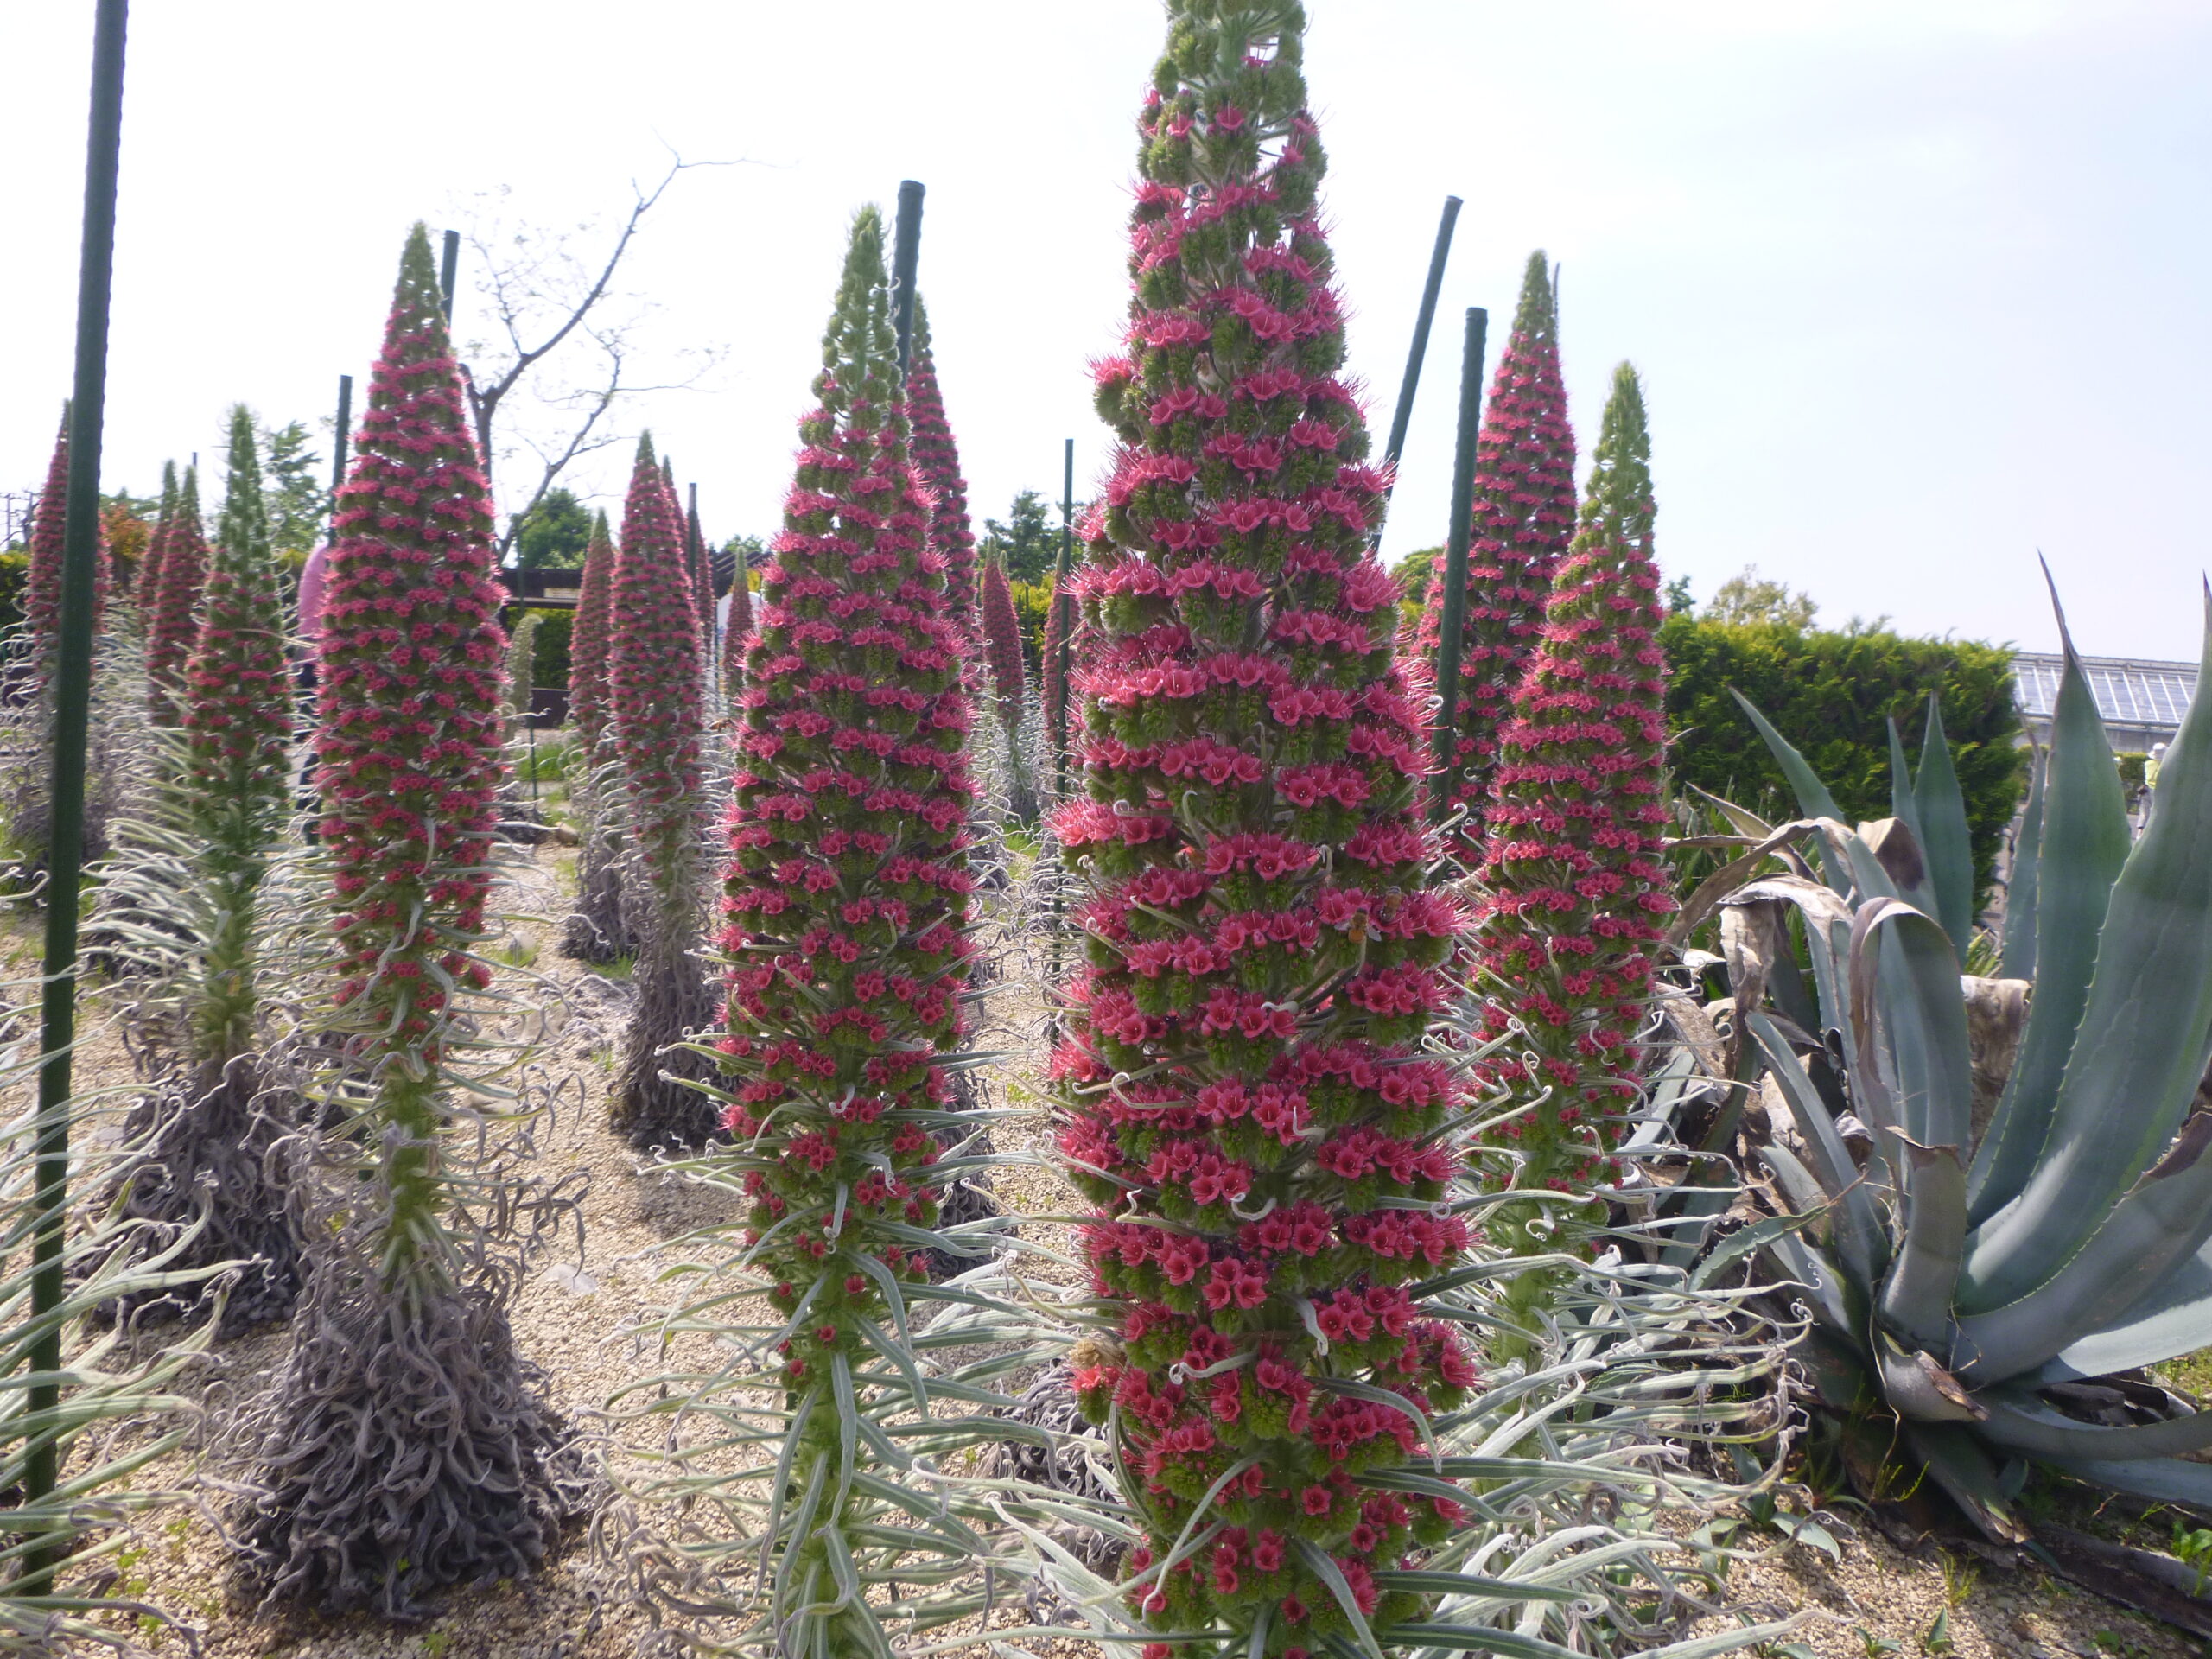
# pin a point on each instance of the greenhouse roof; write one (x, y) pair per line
(2129, 692)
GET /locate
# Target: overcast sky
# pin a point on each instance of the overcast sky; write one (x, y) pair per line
(1917, 286)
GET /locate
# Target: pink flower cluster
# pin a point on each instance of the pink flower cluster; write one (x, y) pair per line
(411, 688)
(1524, 516)
(43, 584)
(236, 693)
(655, 679)
(588, 640)
(177, 567)
(936, 459)
(1578, 890)
(1003, 644)
(848, 888)
(1246, 1097)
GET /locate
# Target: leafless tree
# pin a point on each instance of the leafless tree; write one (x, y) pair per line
(542, 299)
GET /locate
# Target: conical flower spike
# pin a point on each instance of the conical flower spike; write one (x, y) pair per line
(1576, 882)
(1523, 515)
(1248, 1101)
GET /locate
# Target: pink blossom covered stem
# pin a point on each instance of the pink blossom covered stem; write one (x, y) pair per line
(1246, 1098)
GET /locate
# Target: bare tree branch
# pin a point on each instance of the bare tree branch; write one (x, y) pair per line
(534, 312)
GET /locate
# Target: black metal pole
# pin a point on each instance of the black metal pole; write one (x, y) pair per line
(905, 254)
(1402, 418)
(339, 448)
(448, 265)
(72, 690)
(1453, 622)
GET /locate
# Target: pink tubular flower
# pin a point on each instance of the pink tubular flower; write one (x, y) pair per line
(1262, 952)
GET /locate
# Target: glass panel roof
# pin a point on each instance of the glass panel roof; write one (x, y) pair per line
(2128, 693)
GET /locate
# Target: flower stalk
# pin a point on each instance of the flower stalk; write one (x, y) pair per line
(1245, 1094)
(1573, 876)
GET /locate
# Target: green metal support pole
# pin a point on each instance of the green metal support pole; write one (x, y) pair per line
(1401, 419)
(905, 256)
(72, 692)
(344, 438)
(448, 266)
(1453, 622)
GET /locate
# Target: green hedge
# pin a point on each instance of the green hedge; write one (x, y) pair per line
(1830, 694)
(548, 656)
(1033, 610)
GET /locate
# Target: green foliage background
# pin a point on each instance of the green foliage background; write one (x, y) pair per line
(552, 537)
(1830, 694)
(1032, 609)
(1028, 542)
(548, 656)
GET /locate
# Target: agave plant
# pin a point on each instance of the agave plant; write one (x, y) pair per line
(1958, 1274)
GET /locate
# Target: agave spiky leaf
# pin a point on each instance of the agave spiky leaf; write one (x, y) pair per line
(2077, 1237)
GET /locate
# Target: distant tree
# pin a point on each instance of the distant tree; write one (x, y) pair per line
(539, 292)
(128, 536)
(553, 534)
(1747, 597)
(138, 507)
(1679, 602)
(292, 485)
(1029, 542)
(1411, 574)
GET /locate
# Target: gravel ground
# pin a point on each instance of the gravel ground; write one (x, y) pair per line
(581, 1314)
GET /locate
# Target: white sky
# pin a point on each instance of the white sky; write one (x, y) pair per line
(1917, 286)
